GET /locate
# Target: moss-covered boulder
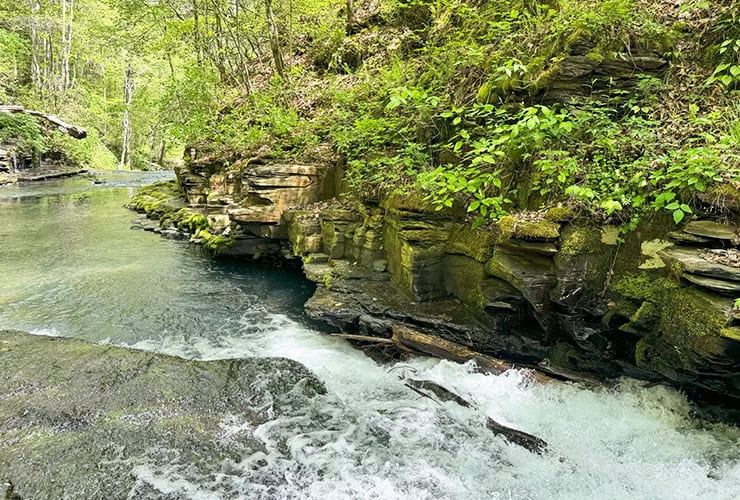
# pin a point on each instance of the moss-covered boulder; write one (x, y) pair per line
(77, 420)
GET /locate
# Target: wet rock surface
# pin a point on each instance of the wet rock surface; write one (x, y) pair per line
(79, 420)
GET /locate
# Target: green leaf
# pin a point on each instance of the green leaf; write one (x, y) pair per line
(686, 208)
(611, 206)
(672, 206)
(720, 68)
(473, 206)
(678, 216)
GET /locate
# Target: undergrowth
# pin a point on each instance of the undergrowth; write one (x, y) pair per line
(450, 100)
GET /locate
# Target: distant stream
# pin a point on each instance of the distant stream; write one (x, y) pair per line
(71, 265)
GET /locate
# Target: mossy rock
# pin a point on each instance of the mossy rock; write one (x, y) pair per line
(78, 419)
(158, 199)
(723, 196)
(690, 336)
(463, 278)
(644, 320)
(477, 244)
(542, 230)
(643, 286)
(214, 243)
(577, 240)
(560, 214)
(564, 355)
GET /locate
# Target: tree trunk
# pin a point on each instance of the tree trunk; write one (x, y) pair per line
(196, 32)
(274, 40)
(68, 47)
(35, 64)
(128, 90)
(350, 15)
(62, 75)
(218, 60)
(162, 152)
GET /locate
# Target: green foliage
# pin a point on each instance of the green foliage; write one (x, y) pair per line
(727, 50)
(13, 52)
(23, 131)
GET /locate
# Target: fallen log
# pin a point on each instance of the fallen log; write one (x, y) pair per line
(445, 349)
(363, 338)
(520, 438)
(441, 348)
(67, 128)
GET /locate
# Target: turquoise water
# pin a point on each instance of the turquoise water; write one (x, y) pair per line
(72, 266)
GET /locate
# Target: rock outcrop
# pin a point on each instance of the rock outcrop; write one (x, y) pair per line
(536, 287)
(245, 202)
(78, 419)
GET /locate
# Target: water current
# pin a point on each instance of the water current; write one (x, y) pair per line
(70, 265)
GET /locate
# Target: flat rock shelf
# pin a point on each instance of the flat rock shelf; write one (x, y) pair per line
(76, 418)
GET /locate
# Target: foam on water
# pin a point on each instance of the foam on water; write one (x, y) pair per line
(371, 437)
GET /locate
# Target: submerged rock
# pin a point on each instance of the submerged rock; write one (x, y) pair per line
(78, 420)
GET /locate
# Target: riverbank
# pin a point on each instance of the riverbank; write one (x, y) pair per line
(549, 289)
(42, 174)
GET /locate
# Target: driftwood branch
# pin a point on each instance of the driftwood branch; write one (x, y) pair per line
(410, 340)
(514, 436)
(445, 349)
(363, 338)
(69, 129)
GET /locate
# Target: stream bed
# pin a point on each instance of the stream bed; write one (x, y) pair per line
(71, 266)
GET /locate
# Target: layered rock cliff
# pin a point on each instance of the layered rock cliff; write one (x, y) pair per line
(543, 287)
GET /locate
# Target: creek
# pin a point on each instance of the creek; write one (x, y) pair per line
(71, 265)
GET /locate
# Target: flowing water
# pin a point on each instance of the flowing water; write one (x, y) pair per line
(70, 265)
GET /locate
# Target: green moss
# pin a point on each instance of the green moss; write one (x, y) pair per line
(510, 227)
(731, 333)
(463, 278)
(564, 355)
(214, 243)
(648, 313)
(194, 223)
(475, 243)
(691, 331)
(545, 78)
(595, 56)
(580, 240)
(560, 214)
(691, 313)
(642, 286)
(158, 199)
(641, 350)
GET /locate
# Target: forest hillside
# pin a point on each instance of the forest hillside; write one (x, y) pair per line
(618, 106)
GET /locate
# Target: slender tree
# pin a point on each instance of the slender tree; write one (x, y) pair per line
(128, 91)
(277, 55)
